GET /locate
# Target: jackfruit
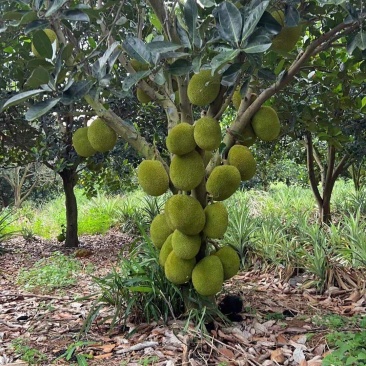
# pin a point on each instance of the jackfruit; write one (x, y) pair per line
(81, 143)
(217, 220)
(207, 133)
(53, 39)
(286, 40)
(236, 99)
(165, 250)
(187, 171)
(178, 270)
(185, 246)
(185, 214)
(101, 137)
(230, 261)
(159, 230)
(142, 97)
(266, 124)
(203, 88)
(180, 139)
(139, 66)
(248, 136)
(208, 276)
(223, 181)
(241, 157)
(153, 177)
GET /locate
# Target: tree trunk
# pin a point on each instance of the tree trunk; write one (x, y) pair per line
(69, 180)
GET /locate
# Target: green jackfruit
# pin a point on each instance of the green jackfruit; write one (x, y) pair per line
(185, 246)
(230, 261)
(248, 136)
(101, 137)
(153, 177)
(51, 36)
(203, 88)
(187, 171)
(266, 124)
(139, 66)
(185, 214)
(223, 181)
(207, 133)
(142, 97)
(236, 99)
(180, 139)
(241, 157)
(217, 220)
(178, 270)
(165, 250)
(81, 143)
(286, 40)
(208, 276)
(159, 230)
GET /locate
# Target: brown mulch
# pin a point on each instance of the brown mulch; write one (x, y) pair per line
(277, 316)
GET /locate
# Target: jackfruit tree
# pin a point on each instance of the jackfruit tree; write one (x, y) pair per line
(193, 59)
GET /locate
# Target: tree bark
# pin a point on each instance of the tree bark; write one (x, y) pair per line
(69, 179)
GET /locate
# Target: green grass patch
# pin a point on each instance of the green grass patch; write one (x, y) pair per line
(48, 274)
(28, 354)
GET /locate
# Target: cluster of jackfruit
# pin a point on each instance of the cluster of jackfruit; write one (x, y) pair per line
(98, 137)
(180, 233)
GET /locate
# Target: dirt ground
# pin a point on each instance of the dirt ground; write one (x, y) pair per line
(277, 326)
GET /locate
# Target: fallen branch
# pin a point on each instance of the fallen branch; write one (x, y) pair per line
(138, 347)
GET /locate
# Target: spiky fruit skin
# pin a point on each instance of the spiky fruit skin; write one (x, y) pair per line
(207, 133)
(241, 157)
(153, 177)
(208, 276)
(81, 143)
(51, 36)
(285, 41)
(101, 137)
(187, 171)
(165, 250)
(223, 181)
(217, 220)
(230, 261)
(236, 99)
(180, 139)
(139, 66)
(159, 230)
(266, 124)
(178, 270)
(142, 97)
(248, 137)
(185, 246)
(203, 88)
(185, 214)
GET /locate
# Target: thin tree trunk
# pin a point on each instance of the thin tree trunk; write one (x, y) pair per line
(69, 180)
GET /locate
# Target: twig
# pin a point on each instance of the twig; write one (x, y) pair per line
(35, 295)
(138, 347)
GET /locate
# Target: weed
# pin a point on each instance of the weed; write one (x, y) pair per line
(149, 360)
(6, 219)
(28, 354)
(73, 353)
(274, 316)
(47, 274)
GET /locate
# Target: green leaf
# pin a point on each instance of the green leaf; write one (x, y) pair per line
(331, 2)
(138, 50)
(230, 22)
(76, 91)
(75, 15)
(21, 97)
(190, 13)
(259, 44)
(180, 67)
(223, 58)
(132, 79)
(36, 24)
(154, 20)
(266, 74)
(231, 74)
(39, 109)
(162, 46)
(38, 77)
(55, 5)
(42, 44)
(292, 16)
(252, 17)
(207, 3)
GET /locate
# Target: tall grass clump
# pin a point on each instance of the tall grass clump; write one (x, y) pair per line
(7, 218)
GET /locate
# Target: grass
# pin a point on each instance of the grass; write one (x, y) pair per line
(57, 271)
(28, 354)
